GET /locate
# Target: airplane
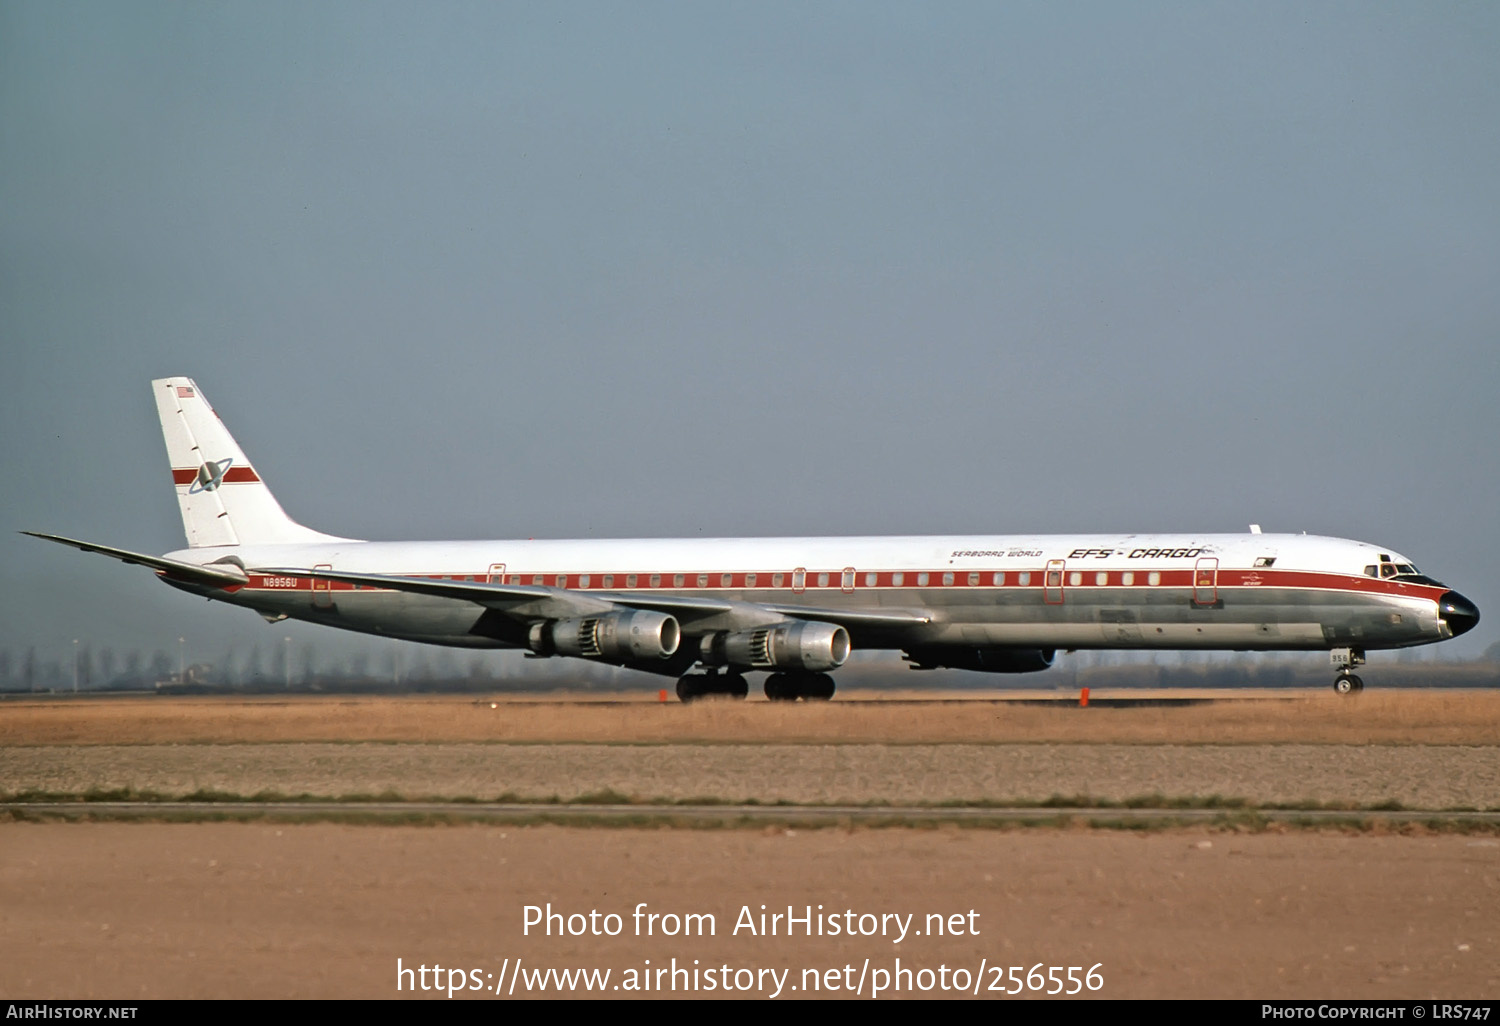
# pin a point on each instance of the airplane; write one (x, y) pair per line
(792, 607)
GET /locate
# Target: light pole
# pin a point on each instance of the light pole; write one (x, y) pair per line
(75, 666)
(182, 660)
(288, 661)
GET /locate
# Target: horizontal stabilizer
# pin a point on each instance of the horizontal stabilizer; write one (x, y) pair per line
(217, 576)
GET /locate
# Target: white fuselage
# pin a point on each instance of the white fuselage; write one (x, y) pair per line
(1252, 591)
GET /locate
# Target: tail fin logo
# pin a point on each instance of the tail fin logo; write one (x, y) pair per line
(210, 476)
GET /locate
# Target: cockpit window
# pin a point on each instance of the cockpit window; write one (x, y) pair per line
(1403, 572)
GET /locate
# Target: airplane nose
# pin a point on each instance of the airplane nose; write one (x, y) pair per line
(1460, 614)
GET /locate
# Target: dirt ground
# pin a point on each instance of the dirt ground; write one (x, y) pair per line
(139, 910)
(255, 911)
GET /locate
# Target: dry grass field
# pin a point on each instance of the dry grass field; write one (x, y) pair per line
(1458, 717)
(1426, 777)
(123, 910)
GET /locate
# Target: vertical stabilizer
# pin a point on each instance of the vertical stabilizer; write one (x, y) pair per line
(223, 499)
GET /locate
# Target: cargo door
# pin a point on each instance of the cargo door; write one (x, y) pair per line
(322, 588)
(1206, 582)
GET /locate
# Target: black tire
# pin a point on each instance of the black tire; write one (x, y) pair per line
(688, 687)
(781, 687)
(818, 688)
(1346, 684)
(736, 686)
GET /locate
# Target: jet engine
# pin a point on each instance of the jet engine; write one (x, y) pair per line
(624, 637)
(986, 660)
(798, 645)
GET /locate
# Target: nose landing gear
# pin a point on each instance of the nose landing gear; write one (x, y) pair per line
(1347, 683)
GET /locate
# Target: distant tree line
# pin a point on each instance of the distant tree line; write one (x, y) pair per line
(410, 667)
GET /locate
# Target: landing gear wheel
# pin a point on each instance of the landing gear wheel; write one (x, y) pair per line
(781, 687)
(818, 687)
(788, 687)
(1347, 684)
(694, 686)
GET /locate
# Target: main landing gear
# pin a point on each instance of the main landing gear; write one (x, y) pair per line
(701, 685)
(1347, 683)
(780, 687)
(788, 687)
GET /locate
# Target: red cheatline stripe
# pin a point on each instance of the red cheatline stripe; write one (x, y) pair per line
(1247, 580)
(235, 475)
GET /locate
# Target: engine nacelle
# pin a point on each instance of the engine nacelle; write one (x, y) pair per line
(637, 635)
(985, 660)
(799, 645)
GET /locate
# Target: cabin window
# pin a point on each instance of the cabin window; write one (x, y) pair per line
(823, 580)
(898, 579)
(870, 580)
(609, 580)
(1127, 578)
(1264, 561)
(922, 579)
(1101, 579)
(846, 579)
(562, 580)
(656, 580)
(631, 581)
(583, 580)
(1023, 579)
(973, 580)
(726, 580)
(777, 579)
(1154, 578)
(703, 580)
(1075, 578)
(536, 578)
(999, 580)
(948, 579)
(799, 579)
(677, 580)
(749, 580)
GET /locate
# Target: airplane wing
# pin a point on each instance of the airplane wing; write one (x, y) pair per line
(853, 618)
(222, 576)
(533, 600)
(523, 600)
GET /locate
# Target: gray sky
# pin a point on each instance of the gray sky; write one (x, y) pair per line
(496, 270)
